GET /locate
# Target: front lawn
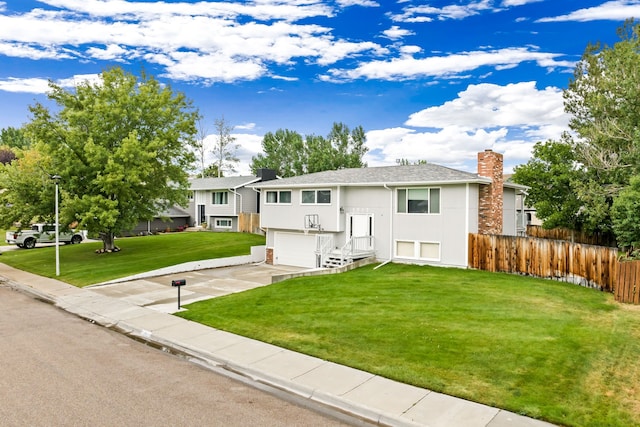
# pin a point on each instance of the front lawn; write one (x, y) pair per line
(545, 349)
(81, 266)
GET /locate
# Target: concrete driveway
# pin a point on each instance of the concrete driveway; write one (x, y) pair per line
(158, 294)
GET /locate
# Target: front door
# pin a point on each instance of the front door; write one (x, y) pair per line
(361, 225)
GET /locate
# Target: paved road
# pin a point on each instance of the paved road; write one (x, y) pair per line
(56, 369)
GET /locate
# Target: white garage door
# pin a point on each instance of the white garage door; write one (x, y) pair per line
(295, 249)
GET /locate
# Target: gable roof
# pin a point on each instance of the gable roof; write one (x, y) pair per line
(222, 183)
(428, 173)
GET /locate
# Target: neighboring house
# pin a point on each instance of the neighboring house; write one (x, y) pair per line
(415, 213)
(216, 203)
(174, 219)
(526, 214)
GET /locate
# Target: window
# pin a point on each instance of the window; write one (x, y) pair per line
(316, 197)
(190, 195)
(283, 197)
(220, 198)
(419, 200)
(223, 222)
(418, 250)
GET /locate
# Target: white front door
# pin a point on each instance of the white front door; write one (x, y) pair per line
(360, 225)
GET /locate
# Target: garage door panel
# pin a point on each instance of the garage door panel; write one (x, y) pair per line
(295, 249)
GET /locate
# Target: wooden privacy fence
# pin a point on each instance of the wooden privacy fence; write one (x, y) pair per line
(249, 223)
(599, 239)
(594, 266)
(628, 282)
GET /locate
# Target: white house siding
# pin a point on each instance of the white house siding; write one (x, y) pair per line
(291, 216)
(449, 228)
(375, 201)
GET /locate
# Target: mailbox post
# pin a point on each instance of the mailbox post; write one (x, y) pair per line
(178, 284)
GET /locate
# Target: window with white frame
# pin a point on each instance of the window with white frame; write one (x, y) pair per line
(220, 197)
(429, 251)
(223, 222)
(419, 200)
(316, 197)
(278, 197)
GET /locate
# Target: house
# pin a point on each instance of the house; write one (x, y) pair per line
(414, 213)
(174, 218)
(526, 214)
(217, 203)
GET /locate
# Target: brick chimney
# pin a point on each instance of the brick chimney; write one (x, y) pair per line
(490, 165)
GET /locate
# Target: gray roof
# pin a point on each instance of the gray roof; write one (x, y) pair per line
(222, 183)
(375, 176)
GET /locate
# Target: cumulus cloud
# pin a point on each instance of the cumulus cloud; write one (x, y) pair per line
(395, 32)
(509, 119)
(207, 41)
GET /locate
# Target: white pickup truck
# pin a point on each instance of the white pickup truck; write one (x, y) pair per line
(41, 233)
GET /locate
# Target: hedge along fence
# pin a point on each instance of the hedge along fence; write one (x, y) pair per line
(587, 265)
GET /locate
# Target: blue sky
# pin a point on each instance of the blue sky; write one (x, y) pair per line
(428, 80)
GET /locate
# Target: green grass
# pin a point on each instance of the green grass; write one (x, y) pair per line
(540, 348)
(81, 266)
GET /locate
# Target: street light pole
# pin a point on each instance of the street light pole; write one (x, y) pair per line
(56, 178)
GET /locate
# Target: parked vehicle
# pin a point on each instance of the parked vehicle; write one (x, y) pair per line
(41, 233)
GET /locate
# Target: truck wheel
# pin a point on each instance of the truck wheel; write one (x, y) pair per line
(76, 239)
(30, 243)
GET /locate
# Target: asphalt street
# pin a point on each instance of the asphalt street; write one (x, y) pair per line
(59, 370)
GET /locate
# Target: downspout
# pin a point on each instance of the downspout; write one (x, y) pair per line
(234, 200)
(466, 224)
(264, 230)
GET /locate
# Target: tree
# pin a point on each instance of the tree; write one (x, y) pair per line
(14, 137)
(625, 213)
(284, 152)
(28, 189)
(289, 154)
(199, 147)
(122, 147)
(224, 148)
(551, 173)
(211, 171)
(604, 100)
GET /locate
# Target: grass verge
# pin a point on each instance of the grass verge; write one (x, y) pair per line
(81, 266)
(540, 348)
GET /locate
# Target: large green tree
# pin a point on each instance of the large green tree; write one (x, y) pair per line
(289, 154)
(28, 191)
(551, 173)
(603, 98)
(122, 147)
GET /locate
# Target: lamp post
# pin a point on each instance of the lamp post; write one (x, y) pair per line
(56, 178)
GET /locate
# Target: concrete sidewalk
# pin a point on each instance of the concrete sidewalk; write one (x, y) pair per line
(364, 395)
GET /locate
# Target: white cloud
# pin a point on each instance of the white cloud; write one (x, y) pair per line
(249, 146)
(34, 85)
(510, 3)
(365, 3)
(395, 32)
(509, 119)
(246, 126)
(426, 13)
(408, 67)
(208, 41)
(489, 105)
(617, 10)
